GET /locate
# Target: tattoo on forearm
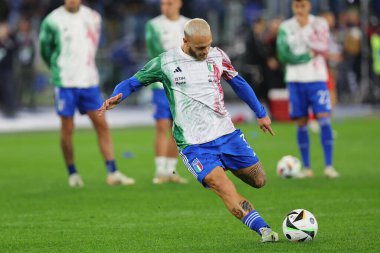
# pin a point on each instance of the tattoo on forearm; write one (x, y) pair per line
(237, 213)
(247, 207)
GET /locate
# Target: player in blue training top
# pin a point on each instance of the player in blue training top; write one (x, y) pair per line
(302, 42)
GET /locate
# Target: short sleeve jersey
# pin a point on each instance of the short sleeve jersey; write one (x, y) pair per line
(194, 92)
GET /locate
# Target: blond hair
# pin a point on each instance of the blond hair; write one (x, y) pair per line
(197, 26)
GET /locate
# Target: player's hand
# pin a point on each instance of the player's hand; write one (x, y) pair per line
(110, 104)
(265, 125)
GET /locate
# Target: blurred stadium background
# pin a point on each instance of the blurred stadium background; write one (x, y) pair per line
(246, 30)
(40, 213)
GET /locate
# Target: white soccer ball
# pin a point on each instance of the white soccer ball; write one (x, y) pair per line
(300, 225)
(288, 167)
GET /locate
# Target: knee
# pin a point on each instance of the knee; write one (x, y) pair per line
(66, 138)
(254, 176)
(260, 181)
(324, 117)
(258, 176)
(324, 121)
(221, 185)
(302, 122)
(101, 126)
(161, 127)
(67, 133)
(217, 184)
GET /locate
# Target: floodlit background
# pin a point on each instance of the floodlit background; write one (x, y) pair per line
(40, 213)
(246, 30)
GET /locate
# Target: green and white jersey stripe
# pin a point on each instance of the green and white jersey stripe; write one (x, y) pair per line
(296, 46)
(162, 34)
(69, 42)
(194, 92)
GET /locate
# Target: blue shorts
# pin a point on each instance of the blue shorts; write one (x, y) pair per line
(85, 99)
(304, 95)
(231, 152)
(161, 103)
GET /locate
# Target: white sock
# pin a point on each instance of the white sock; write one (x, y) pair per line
(171, 164)
(160, 162)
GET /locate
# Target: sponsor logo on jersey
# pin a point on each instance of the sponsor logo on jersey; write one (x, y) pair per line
(197, 165)
(180, 80)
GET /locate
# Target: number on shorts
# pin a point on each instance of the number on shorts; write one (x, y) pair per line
(242, 136)
(324, 98)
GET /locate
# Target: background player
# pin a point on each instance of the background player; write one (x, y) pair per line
(162, 33)
(302, 43)
(203, 130)
(69, 39)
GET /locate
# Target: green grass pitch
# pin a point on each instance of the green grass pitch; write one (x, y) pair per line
(40, 213)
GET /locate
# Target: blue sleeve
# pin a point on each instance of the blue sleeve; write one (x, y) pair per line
(245, 93)
(127, 87)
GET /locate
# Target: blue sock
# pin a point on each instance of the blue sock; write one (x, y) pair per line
(326, 140)
(254, 221)
(304, 145)
(71, 169)
(111, 166)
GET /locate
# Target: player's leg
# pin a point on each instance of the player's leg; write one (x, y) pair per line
(172, 159)
(114, 177)
(239, 206)
(204, 163)
(298, 101)
(327, 142)
(253, 175)
(160, 149)
(104, 136)
(162, 117)
(67, 131)
(65, 104)
(172, 150)
(303, 142)
(166, 152)
(322, 108)
(238, 156)
(90, 100)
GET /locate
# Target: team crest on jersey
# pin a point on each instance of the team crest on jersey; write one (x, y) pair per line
(211, 66)
(197, 165)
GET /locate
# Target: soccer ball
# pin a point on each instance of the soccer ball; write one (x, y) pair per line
(288, 167)
(300, 225)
